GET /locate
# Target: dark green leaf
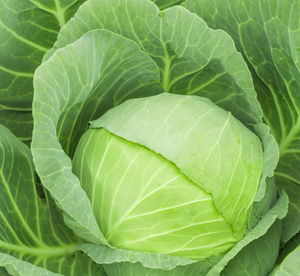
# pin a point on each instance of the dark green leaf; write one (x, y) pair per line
(31, 228)
(27, 30)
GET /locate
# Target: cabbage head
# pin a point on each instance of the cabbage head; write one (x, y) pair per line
(170, 174)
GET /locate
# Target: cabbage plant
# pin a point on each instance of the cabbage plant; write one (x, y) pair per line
(157, 131)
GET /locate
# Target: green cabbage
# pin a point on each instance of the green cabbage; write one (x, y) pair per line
(180, 179)
(157, 130)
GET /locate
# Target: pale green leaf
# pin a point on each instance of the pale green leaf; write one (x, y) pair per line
(105, 255)
(79, 83)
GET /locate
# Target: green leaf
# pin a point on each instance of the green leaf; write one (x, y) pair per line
(267, 33)
(18, 267)
(291, 223)
(27, 30)
(258, 257)
(79, 83)
(267, 194)
(125, 268)
(118, 262)
(290, 265)
(204, 63)
(292, 244)
(3, 271)
(105, 255)
(31, 228)
(192, 58)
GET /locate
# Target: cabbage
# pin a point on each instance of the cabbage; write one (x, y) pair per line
(170, 174)
(165, 137)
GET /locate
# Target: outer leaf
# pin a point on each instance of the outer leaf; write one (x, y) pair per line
(27, 30)
(31, 228)
(105, 255)
(123, 262)
(258, 257)
(77, 84)
(3, 271)
(290, 265)
(237, 260)
(267, 33)
(120, 269)
(267, 194)
(192, 58)
(17, 267)
(291, 245)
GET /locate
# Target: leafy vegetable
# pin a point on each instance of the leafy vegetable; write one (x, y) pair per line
(162, 57)
(193, 200)
(143, 100)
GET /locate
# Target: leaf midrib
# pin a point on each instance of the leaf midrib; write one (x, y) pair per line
(23, 39)
(287, 140)
(58, 12)
(45, 251)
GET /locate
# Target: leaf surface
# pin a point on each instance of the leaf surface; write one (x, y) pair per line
(31, 228)
(28, 29)
(290, 265)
